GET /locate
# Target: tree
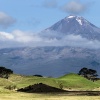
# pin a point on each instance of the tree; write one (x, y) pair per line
(4, 72)
(88, 73)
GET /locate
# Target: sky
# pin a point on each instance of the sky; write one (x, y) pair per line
(21, 20)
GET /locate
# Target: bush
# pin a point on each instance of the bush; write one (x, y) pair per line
(11, 87)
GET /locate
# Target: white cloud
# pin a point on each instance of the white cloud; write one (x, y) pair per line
(72, 40)
(74, 7)
(19, 38)
(6, 20)
(5, 36)
(78, 41)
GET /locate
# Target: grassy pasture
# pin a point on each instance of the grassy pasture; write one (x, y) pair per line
(70, 81)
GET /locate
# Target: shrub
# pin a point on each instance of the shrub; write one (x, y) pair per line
(11, 87)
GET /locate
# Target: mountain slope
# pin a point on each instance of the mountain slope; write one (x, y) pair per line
(75, 25)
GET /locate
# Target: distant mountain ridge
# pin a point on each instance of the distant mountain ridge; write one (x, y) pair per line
(49, 61)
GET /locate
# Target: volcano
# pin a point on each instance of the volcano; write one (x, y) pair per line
(57, 60)
(75, 25)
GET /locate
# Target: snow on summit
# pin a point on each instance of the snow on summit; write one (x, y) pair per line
(70, 16)
(79, 21)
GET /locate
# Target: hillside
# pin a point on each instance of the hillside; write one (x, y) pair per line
(73, 83)
(70, 81)
(76, 81)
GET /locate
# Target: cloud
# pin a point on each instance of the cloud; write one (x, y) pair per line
(23, 37)
(58, 39)
(50, 3)
(19, 38)
(6, 20)
(79, 41)
(5, 36)
(74, 7)
(72, 40)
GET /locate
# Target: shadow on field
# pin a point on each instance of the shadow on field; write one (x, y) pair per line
(43, 88)
(40, 88)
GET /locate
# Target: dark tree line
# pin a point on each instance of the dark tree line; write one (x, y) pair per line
(88, 73)
(4, 72)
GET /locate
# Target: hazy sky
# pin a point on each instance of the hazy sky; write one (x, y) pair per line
(19, 19)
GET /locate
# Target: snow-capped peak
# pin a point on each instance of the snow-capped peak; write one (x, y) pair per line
(71, 16)
(76, 25)
(78, 18)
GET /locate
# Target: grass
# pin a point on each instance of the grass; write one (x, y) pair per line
(23, 81)
(5, 82)
(26, 96)
(76, 81)
(72, 81)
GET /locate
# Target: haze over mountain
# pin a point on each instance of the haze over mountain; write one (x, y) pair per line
(67, 46)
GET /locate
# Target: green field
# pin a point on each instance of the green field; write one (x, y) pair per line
(69, 82)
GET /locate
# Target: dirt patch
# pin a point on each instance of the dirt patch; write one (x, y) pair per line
(43, 88)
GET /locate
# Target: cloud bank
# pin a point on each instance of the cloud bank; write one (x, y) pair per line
(19, 38)
(6, 20)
